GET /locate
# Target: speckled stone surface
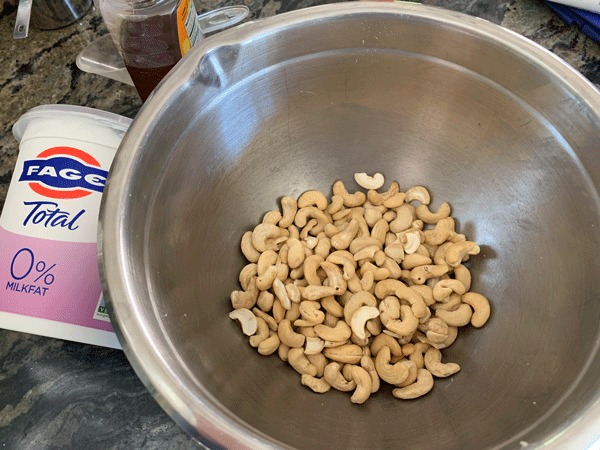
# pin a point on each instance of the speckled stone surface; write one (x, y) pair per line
(57, 394)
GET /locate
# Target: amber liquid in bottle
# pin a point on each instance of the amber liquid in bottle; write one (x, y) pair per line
(150, 48)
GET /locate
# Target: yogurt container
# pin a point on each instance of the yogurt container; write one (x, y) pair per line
(49, 280)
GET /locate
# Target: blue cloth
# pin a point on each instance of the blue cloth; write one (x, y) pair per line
(587, 21)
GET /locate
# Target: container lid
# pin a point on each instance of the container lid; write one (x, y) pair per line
(110, 120)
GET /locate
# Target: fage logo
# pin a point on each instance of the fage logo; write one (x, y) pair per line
(64, 173)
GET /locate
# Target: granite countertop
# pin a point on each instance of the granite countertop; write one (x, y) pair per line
(59, 394)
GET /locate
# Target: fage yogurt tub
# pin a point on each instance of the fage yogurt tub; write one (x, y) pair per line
(49, 281)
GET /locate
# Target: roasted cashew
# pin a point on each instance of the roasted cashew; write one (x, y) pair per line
(418, 193)
(457, 252)
(319, 361)
(350, 200)
(414, 260)
(247, 320)
(335, 277)
(262, 332)
(359, 319)
(379, 273)
(281, 293)
(372, 216)
(389, 216)
(265, 281)
(433, 363)
(269, 345)
(293, 313)
(316, 292)
(443, 289)
(340, 333)
(312, 212)
(377, 198)
(288, 336)
(390, 373)
(246, 274)
(380, 230)
(282, 351)
(250, 253)
(362, 242)
(333, 376)
(300, 362)
(363, 385)
(403, 292)
(481, 308)
(422, 386)
(266, 317)
(395, 200)
(245, 299)
(313, 198)
(361, 298)
(404, 219)
(385, 340)
(295, 256)
(347, 353)
(318, 385)
(458, 318)
(337, 203)
(366, 362)
(417, 355)
(289, 207)
(342, 240)
(265, 235)
(392, 267)
(278, 311)
(311, 265)
(449, 305)
(267, 259)
(331, 306)
(395, 251)
(462, 274)
(436, 330)
(366, 253)
(420, 274)
(310, 313)
(424, 213)
(404, 327)
(323, 247)
(346, 260)
(412, 373)
(443, 230)
(272, 217)
(424, 291)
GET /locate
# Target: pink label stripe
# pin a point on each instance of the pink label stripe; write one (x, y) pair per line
(49, 279)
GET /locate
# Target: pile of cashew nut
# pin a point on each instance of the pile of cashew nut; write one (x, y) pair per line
(361, 289)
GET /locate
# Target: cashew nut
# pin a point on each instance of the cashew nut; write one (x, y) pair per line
(267, 318)
(246, 274)
(272, 217)
(422, 386)
(313, 198)
(347, 353)
(312, 212)
(369, 182)
(462, 274)
(314, 345)
(443, 289)
(458, 251)
(395, 200)
(481, 308)
(269, 345)
(295, 256)
(247, 320)
(341, 332)
(420, 274)
(288, 336)
(330, 305)
(414, 260)
(413, 241)
(406, 326)
(316, 292)
(424, 214)
(377, 198)
(264, 236)
(333, 376)
(360, 318)
(418, 193)
(337, 203)
(363, 385)
(350, 200)
(443, 230)
(404, 219)
(458, 318)
(403, 292)
(262, 332)
(250, 253)
(318, 385)
(300, 362)
(342, 240)
(346, 260)
(361, 298)
(385, 340)
(366, 362)
(433, 363)
(390, 373)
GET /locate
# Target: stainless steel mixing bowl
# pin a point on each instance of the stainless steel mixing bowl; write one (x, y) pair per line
(492, 123)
